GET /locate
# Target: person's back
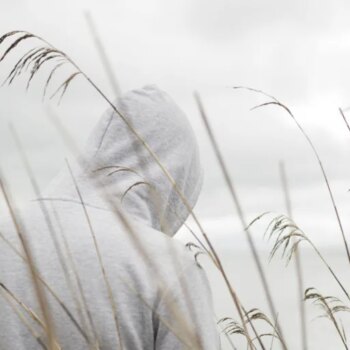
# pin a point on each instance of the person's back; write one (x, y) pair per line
(100, 237)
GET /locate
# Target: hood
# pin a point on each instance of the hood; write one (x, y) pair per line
(127, 171)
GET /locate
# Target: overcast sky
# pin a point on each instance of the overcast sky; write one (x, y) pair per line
(298, 51)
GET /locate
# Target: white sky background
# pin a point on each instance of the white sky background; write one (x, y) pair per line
(297, 51)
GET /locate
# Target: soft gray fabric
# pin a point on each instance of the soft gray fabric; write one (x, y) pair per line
(162, 296)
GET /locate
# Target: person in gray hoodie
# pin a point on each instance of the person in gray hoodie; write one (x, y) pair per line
(92, 263)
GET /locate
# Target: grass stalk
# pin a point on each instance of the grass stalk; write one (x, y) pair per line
(7, 296)
(239, 209)
(110, 74)
(100, 260)
(344, 118)
(46, 215)
(298, 263)
(276, 102)
(48, 288)
(330, 310)
(40, 294)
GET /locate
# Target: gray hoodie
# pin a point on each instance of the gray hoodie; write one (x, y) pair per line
(101, 240)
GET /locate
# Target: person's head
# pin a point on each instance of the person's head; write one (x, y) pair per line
(129, 172)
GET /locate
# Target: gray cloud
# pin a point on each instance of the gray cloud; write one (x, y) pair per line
(297, 51)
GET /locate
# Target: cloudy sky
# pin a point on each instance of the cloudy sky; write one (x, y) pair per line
(297, 51)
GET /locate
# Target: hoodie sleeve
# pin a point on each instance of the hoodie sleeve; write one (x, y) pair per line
(185, 316)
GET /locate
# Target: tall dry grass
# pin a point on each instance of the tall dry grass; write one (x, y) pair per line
(287, 237)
